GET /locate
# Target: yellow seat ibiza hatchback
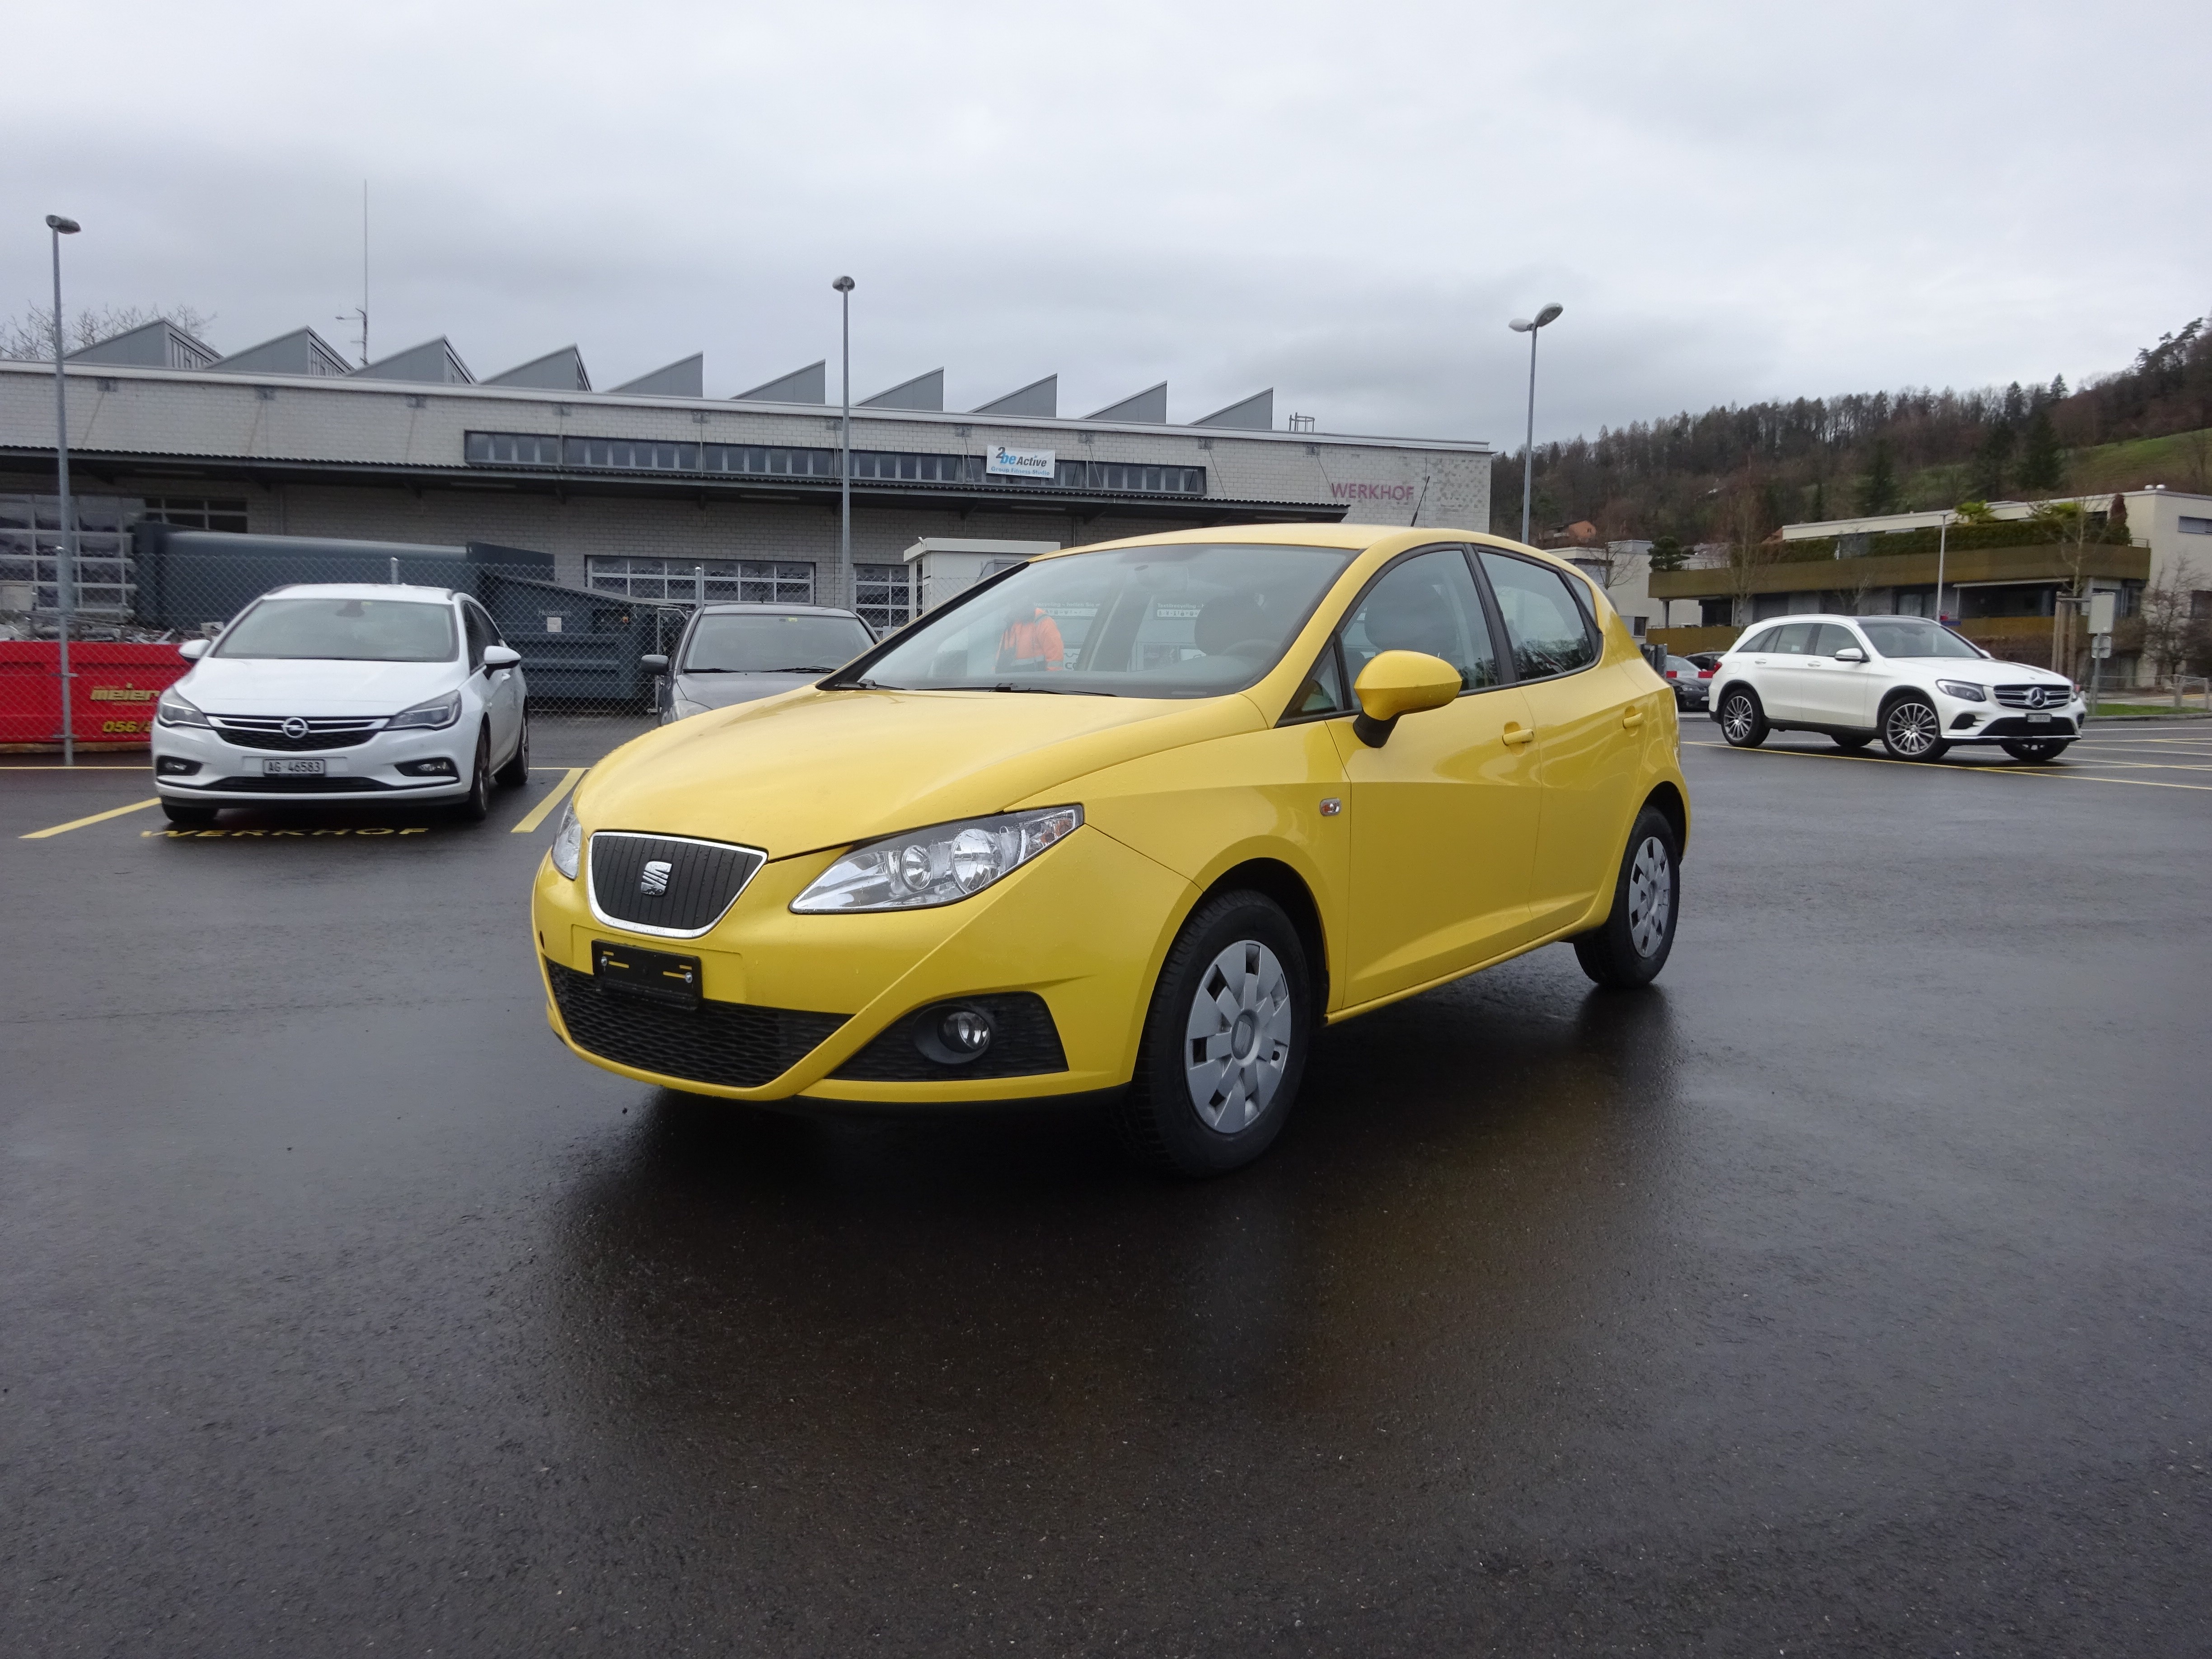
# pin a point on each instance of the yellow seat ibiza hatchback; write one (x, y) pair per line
(1139, 818)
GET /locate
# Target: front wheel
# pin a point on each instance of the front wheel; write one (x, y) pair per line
(1630, 947)
(2037, 750)
(1225, 1040)
(476, 806)
(516, 772)
(1743, 722)
(1912, 730)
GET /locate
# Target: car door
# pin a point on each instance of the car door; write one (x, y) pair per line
(1782, 675)
(1836, 693)
(1589, 719)
(1443, 814)
(502, 687)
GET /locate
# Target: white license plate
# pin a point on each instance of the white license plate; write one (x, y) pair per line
(294, 769)
(2038, 720)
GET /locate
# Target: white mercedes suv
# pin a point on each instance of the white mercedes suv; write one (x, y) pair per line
(344, 692)
(1914, 684)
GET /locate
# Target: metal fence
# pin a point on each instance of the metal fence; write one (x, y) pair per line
(125, 604)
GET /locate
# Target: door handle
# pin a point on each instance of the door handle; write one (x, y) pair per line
(1516, 735)
(1631, 717)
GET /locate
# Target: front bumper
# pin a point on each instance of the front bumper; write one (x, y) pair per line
(1082, 928)
(230, 774)
(1991, 722)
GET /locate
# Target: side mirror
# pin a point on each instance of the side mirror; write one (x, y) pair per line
(497, 657)
(193, 650)
(1851, 654)
(655, 663)
(1398, 683)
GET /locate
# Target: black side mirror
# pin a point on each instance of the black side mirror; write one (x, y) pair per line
(655, 663)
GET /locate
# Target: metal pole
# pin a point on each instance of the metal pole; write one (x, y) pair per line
(699, 586)
(65, 561)
(1942, 541)
(1528, 448)
(844, 286)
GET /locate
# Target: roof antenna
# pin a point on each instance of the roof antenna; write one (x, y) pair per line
(361, 312)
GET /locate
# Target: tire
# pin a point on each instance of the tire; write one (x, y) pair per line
(1742, 721)
(2037, 752)
(516, 772)
(1236, 975)
(1912, 730)
(1851, 742)
(1630, 947)
(476, 806)
(187, 818)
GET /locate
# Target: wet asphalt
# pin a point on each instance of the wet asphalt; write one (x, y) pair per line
(1848, 1293)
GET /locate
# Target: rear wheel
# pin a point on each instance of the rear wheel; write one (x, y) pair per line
(476, 806)
(1225, 1042)
(187, 816)
(516, 772)
(2036, 751)
(1743, 722)
(1630, 947)
(1852, 742)
(1912, 730)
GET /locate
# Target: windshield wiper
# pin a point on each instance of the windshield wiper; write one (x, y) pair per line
(1032, 690)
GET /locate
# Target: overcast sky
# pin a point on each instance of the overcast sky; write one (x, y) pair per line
(1345, 201)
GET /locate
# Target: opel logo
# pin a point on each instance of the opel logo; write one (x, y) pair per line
(295, 728)
(653, 880)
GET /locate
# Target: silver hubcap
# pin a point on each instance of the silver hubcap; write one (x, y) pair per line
(1238, 1039)
(1650, 895)
(1736, 721)
(1913, 728)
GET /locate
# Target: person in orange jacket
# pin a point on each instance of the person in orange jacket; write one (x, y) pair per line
(1031, 644)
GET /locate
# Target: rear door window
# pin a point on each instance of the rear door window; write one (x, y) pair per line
(1549, 632)
(1794, 639)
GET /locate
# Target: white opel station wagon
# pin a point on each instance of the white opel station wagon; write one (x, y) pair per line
(1911, 682)
(345, 692)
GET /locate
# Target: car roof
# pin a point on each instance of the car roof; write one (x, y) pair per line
(359, 590)
(1352, 537)
(747, 608)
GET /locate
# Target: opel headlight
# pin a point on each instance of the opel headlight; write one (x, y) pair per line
(427, 716)
(568, 841)
(941, 864)
(1962, 690)
(174, 710)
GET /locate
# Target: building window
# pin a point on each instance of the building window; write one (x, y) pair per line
(883, 595)
(2200, 604)
(2195, 527)
(31, 562)
(1147, 480)
(513, 449)
(195, 512)
(679, 581)
(918, 469)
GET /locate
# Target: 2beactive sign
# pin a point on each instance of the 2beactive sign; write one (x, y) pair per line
(1020, 463)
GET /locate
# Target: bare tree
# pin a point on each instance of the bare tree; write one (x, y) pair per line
(30, 338)
(1743, 526)
(2167, 630)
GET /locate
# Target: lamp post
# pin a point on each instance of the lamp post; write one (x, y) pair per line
(1943, 546)
(845, 582)
(1550, 313)
(65, 561)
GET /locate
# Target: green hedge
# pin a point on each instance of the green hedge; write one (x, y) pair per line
(2006, 533)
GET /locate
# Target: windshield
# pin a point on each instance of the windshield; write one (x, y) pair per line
(1179, 620)
(742, 643)
(344, 630)
(1904, 636)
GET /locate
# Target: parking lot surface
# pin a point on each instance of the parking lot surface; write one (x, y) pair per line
(1848, 1293)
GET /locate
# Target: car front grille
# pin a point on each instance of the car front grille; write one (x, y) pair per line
(2014, 725)
(734, 1044)
(254, 731)
(2021, 697)
(667, 884)
(1025, 1043)
(343, 785)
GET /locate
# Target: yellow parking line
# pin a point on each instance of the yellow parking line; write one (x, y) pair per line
(2052, 775)
(97, 818)
(537, 813)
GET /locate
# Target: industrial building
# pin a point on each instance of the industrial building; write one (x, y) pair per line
(652, 489)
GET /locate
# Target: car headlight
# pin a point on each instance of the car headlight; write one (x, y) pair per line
(568, 841)
(427, 716)
(174, 710)
(941, 864)
(1962, 691)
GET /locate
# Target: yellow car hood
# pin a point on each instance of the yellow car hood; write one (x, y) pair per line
(813, 769)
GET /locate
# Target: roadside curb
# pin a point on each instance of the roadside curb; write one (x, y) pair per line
(2124, 720)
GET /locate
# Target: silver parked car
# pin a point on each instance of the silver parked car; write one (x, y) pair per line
(734, 654)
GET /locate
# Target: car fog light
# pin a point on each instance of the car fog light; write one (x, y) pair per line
(954, 1036)
(170, 767)
(439, 767)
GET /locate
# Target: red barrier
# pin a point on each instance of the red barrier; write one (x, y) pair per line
(111, 695)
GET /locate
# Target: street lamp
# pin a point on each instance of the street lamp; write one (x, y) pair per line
(1550, 313)
(846, 584)
(65, 563)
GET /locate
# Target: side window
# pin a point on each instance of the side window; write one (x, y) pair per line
(1762, 640)
(479, 634)
(1833, 638)
(1796, 640)
(1427, 603)
(1547, 628)
(1322, 693)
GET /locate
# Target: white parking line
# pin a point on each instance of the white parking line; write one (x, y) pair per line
(2048, 774)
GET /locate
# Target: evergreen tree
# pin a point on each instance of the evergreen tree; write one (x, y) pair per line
(2015, 404)
(1990, 464)
(1667, 553)
(2039, 453)
(1819, 509)
(2057, 388)
(1878, 490)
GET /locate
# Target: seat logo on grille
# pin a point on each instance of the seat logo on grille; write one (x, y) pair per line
(295, 728)
(653, 880)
